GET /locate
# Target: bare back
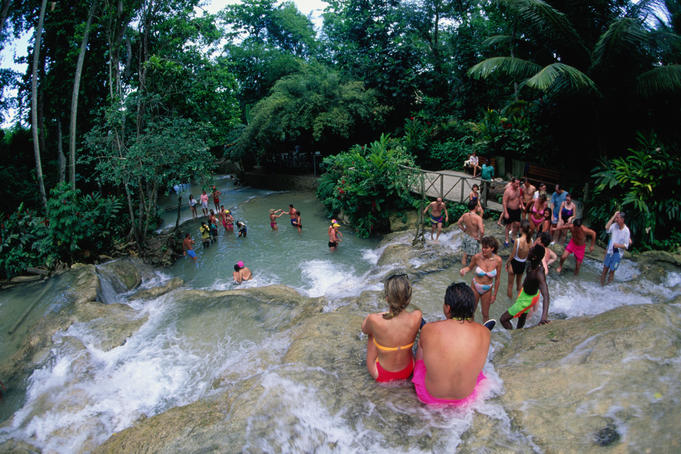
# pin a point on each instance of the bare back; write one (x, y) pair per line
(398, 331)
(454, 353)
(472, 224)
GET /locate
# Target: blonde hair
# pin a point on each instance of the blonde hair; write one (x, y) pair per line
(398, 294)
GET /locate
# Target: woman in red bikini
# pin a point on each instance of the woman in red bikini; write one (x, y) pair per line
(392, 334)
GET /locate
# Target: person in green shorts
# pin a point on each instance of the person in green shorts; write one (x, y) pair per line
(535, 282)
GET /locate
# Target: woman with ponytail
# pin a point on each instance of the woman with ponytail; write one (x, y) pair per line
(392, 333)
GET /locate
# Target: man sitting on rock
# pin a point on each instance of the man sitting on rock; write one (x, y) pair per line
(451, 353)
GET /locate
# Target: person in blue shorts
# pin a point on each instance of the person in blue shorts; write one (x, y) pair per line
(188, 246)
(619, 240)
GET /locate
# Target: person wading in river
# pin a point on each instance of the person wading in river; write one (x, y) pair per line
(436, 209)
(577, 244)
(512, 209)
(534, 284)
(473, 230)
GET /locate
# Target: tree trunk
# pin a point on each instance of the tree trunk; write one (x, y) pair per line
(74, 96)
(4, 13)
(34, 104)
(179, 209)
(60, 153)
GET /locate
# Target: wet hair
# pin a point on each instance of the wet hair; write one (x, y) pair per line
(236, 268)
(547, 210)
(545, 239)
(536, 255)
(290, 205)
(461, 300)
(567, 194)
(398, 294)
(212, 212)
(577, 222)
(187, 235)
(490, 241)
(472, 204)
(525, 229)
(475, 186)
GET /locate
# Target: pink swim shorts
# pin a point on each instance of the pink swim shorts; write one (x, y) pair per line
(577, 250)
(424, 396)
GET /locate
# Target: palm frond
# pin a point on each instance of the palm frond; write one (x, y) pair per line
(559, 77)
(494, 40)
(663, 79)
(541, 15)
(508, 66)
(622, 36)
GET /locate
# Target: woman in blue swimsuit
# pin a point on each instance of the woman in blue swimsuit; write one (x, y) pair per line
(567, 213)
(487, 265)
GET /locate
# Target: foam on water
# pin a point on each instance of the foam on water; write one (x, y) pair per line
(333, 280)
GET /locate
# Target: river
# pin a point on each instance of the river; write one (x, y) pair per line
(280, 361)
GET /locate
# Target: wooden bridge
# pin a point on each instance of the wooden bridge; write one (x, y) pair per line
(452, 186)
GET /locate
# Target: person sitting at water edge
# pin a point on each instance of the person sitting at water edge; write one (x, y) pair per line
(451, 353)
(473, 230)
(188, 246)
(335, 236)
(274, 214)
(473, 162)
(241, 273)
(392, 334)
(534, 284)
(436, 209)
(487, 274)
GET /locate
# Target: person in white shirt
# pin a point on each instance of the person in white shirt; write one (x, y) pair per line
(474, 163)
(619, 239)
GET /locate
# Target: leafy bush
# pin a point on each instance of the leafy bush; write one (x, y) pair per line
(75, 224)
(645, 183)
(24, 237)
(367, 183)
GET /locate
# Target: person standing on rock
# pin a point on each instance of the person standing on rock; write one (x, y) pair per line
(436, 209)
(512, 208)
(619, 239)
(188, 246)
(534, 284)
(473, 230)
(487, 275)
(392, 334)
(577, 244)
(192, 205)
(451, 353)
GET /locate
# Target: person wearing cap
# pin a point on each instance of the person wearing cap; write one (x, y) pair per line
(229, 221)
(335, 236)
(619, 239)
(241, 273)
(274, 214)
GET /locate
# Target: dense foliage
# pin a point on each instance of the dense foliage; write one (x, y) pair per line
(646, 185)
(367, 183)
(130, 97)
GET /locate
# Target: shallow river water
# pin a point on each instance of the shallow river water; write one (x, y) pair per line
(295, 378)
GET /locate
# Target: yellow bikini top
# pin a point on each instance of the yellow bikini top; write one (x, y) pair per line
(391, 349)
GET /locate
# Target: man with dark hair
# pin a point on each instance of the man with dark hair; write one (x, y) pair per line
(512, 209)
(451, 353)
(533, 285)
(577, 244)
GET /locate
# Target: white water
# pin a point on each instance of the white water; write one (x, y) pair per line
(82, 395)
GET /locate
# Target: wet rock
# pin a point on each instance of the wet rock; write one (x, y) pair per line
(123, 273)
(113, 323)
(403, 221)
(396, 254)
(85, 285)
(611, 364)
(607, 435)
(660, 256)
(18, 447)
(155, 292)
(22, 279)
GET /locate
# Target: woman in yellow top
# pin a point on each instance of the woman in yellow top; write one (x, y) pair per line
(392, 334)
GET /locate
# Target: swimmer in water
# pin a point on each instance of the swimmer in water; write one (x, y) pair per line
(274, 214)
(392, 334)
(534, 284)
(241, 273)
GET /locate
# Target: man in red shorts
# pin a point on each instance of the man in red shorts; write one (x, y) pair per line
(577, 244)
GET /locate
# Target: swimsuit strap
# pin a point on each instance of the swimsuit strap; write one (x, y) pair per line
(391, 349)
